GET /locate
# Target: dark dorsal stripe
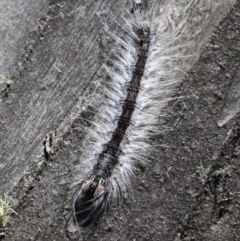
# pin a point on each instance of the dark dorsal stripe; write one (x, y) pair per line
(109, 157)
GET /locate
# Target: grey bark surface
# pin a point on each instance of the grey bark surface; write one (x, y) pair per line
(68, 54)
(190, 189)
(17, 19)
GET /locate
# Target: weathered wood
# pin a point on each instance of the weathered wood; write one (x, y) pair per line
(17, 19)
(41, 98)
(63, 65)
(55, 88)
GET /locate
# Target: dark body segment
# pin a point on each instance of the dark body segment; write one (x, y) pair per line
(113, 146)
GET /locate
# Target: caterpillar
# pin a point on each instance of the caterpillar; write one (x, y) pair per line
(93, 197)
(145, 73)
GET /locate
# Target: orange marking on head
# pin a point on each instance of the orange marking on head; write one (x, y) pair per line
(88, 185)
(98, 189)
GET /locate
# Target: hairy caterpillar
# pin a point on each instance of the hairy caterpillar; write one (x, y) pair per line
(104, 178)
(93, 197)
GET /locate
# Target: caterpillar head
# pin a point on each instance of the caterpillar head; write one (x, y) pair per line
(90, 201)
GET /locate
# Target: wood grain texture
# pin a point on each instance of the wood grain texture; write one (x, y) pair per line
(43, 96)
(53, 90)
(17, 19)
